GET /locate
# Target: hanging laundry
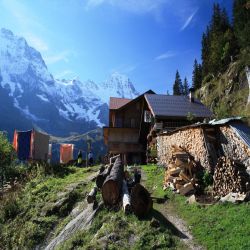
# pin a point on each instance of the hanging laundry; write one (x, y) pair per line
(24, 145)
(15, 140)
(40, 146)
(66, 153)
(31, 145)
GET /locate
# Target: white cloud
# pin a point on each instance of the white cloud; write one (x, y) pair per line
(24, 16)
(65, 74)
(26, 23)
(62, 56)
(124, 69)
(136, 6)
(189, 19)
(165, 55)
(36, 42)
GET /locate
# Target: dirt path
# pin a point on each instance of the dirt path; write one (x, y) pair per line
(177, 225)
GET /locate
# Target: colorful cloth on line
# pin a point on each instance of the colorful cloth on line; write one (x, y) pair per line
(66, 153)
(31, 144)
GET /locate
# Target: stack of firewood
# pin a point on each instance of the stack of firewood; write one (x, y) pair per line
(230, 176)
(180, 173)
(113, 186)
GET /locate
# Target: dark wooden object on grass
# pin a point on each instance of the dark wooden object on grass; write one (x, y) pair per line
(91, 197)
(141, 202)
(112, 186)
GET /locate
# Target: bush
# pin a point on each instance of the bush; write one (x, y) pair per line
(6, 151)
(205, 179)
(10, 208)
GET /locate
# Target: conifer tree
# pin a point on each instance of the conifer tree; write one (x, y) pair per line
(185, 87)
(241, 22)
(218, 43)
(197, 75)
(177, 86)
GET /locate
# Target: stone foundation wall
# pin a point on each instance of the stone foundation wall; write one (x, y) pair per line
(191, 139)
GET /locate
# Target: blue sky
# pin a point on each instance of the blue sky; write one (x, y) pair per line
(145, 39)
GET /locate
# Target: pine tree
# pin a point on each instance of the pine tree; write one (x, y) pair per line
(218, 43)
(185, 87)
(177, 86)
(205, 52)
(241, 22)
(197, 75)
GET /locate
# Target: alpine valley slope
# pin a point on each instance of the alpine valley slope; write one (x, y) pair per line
(31, 97)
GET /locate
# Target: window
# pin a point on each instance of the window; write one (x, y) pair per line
(147, 116)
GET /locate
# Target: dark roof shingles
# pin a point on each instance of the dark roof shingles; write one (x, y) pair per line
(116, 103)
(176, 106)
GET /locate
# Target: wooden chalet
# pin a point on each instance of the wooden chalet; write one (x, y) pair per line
(134, 123)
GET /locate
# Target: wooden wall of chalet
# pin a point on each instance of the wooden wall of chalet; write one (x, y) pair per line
(127, 118)
(123, 135)
(233, 146)
(192, 139)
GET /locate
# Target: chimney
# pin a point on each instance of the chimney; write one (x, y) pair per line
(191, 94)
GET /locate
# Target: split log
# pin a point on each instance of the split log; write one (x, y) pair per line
(102, 176)
(113, 159)
(184, 176)
(111, 188)
(125, 198)
(230, 176)
(91, 197)
(141, 202)
(186, 188)
(174, 171)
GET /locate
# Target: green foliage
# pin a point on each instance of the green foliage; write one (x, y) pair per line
(218, 43)
(29, 214)
(205, 179)
(6, 151)
(190, 116)
(130, 233)
(197, 75)
(185, 87)
(177, 87)
(11, 208)
(219, 226)
(241, 22)
(222, 111)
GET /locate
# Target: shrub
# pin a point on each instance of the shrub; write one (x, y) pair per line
(10, 208)
(6, 151)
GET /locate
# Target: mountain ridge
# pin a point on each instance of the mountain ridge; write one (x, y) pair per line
(58, 106)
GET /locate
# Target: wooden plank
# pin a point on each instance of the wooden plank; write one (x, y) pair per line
(186, 188)
(174, 171)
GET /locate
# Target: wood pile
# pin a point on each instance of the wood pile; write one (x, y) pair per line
(180, 173)
(113, 185)
(230, 176)
(192, 139)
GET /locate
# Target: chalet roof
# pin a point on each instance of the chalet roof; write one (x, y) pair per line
(176, 106)
(137, 98)
(116, 103)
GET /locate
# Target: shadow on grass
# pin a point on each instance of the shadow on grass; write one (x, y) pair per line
(155, 214)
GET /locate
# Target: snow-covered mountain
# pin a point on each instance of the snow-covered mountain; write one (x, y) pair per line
(29, 94)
